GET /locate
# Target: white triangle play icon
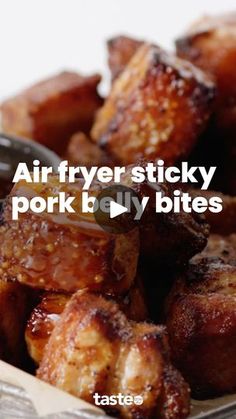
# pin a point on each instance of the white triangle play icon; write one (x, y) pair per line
(116, 209)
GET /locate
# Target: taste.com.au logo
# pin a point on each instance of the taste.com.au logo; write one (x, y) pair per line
(117, 399)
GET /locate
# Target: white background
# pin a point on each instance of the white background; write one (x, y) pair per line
(40, 37)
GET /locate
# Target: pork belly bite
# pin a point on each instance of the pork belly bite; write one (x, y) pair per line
(201, 319)
(157, 108)
(51, 111)
(211, 45)
(46, 314)
(173, 238)
(65, 251)
(174, 398)
(169, 238)
(120, 50)
(95, 349)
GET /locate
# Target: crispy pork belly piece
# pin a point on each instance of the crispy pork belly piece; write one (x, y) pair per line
(224, 222)
(81, 151)
(14, 309)
(46, 314)
(174, 396)
(174, 238)
(202, 335)
(211, 45)
(157, 108)
(171, 238)
(51, 256)
(68, 252)
(51, 111)
(65, 252)
(94, 348)
(120, 50)
(201, 319)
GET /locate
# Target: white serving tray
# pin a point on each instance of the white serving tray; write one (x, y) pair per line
(23, 396)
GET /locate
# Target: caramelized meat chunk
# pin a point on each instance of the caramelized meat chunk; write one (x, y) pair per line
(157, 108)
(202, 335)
(66, 252)
(51, 111)
(94, 348)
(120, 50)
(50, 256)
(201, 319)
(174, 399)
(211, 45)
(173, 238)
(47, 313)
(170, 238)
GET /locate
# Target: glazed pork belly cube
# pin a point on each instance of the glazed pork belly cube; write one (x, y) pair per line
(66, 252)
(157, 108)
(71, 251)
(47, 313)
(51, 111)
(210, 44)
(171, 238)
(201, 319)
(94, 348)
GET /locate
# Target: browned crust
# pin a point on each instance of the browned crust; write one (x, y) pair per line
(60, 258)
(47, 313)
(65, 252)
(94, 348)
(210, 44)
(174, 400)
(201, 319)
(203, 335)
(53, 109)
(156, 109)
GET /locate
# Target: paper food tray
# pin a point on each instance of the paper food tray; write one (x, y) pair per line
(24, 396)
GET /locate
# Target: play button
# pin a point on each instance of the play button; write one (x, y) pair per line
(116, 209)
